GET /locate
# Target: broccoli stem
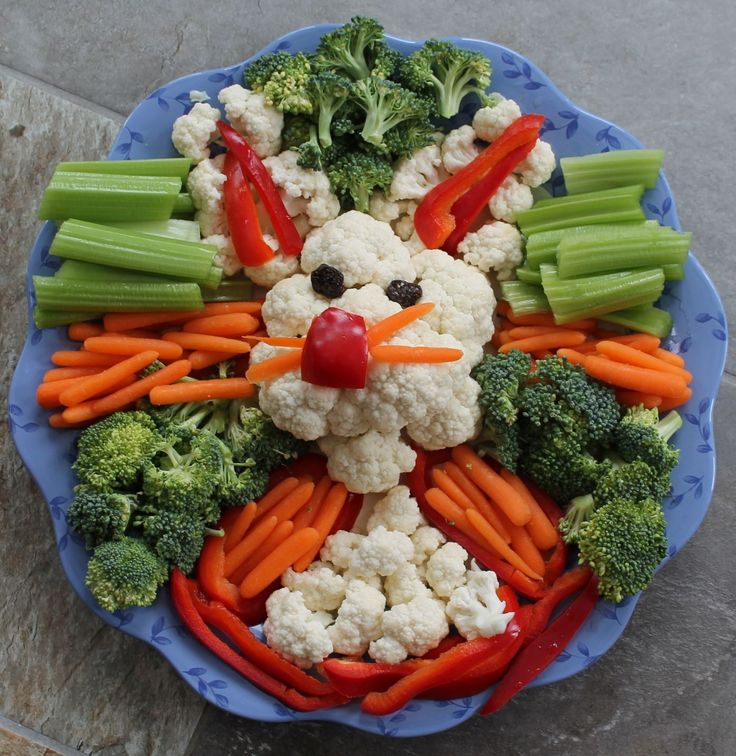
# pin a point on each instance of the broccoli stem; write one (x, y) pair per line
(212, 532)
(669, 425)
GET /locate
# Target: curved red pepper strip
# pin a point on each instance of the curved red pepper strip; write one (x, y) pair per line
(433, 219)
(182, 598)
(289, 240)
(242, 217)
(541, 652)
(448, 642)
(470, 205)
(356, 679)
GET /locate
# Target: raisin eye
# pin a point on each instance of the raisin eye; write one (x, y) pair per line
(328, 281)
(404, 293)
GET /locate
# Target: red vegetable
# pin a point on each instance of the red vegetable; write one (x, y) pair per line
(336, 350)
(356, 679)
(289, 240)
(182, 591)
(541, 652)
(470, 205)
(242, 217)
(433, 219)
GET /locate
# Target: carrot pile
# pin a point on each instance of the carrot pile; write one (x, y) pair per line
(634, 364)
(102, 376)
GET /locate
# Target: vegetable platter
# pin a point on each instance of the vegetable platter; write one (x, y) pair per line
(697, 339)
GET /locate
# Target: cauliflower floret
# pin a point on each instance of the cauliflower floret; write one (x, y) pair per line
(278, 268)
(510, 198)
(248, 114)
(369, 462)
(226, 256)
(362, 248)
(446, 569)
(193, 132)
(491, 121)
(404, 226)
(322, 588)
(370, 301)
(414, 176)
(426, 541)
(414, 628)
(383, 209)
(375, 581)
(381, 552)
(205, 186)
(304, 191)
(404, 585)
(339, 547)
(397, 510)
(414, 243)
(358, 619)
(198, 95)
(475, 609)
(295, 632)
(496, 246)
(291, 305)
(459, 148)
(538, 165)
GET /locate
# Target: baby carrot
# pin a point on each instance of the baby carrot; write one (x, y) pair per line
(292, 549)
(507, 499)
(57, 421)
(667, 356)
(207, 343)
(542, 532)
(225, 308)
(293, 502)
(278, 535)
(547, 319)
(635, 398)
(394, 323)
(525, 332)
(279, 341)
(271, 498)
(107, 379)
(675, 401)
(238, 554)
(522, 544)
(48, 394)
(201, 360)
(274, 366)
(70, 358)
(61, 374)
(305, 516)
(200, 391)
(636, 378)
(445, 483)
(83, 330)
(323, 522)
(630, 356)
(553, 340)
(454, 514)
(239, 528)
(571, 356)
(126, 321)
(393, 354)
(127, 346)
(229, 324)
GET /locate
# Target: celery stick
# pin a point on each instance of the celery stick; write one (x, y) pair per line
(634, 191)
(606, 170)
(527, 275)
(524, 298)
(176, 167)
(50, 318)
(91, 242)
(590, 296)
(674, 272)
(173, 228)
(183, 205)
(100, 197)
(230, 290)
(636, 247)
(91, 272)
(214, 278)
(645, 318)
(86, 296)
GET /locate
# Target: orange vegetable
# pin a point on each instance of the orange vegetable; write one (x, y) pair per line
(207, 343)
(636, 378)
(69, 358)
(48, 394)
(394, 323)
(542, 531)
(201, 360)
(571, 356)
(278, 535)
(279, 341)
(127, 346)
(293, 502)
(323, 522)
(228, 324)
(239, 528)
(445, 483)
(675, 401)
(83, 330)
(630, 356)
(271, 498)
(257, 535)
(522, 544)
(393, 354)
(63, 373)
(667, 356)
(454, 514)
(57, 421)
(199, 391)
(562, 338)
(547, 319)
(274, 367)
(525, 332)
(635, 398)
(305, 516)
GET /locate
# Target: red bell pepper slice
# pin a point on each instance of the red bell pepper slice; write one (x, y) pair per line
(335, 351)
(539, 654)
(448, 642)
(470, 205)
(433, 219)
(182, 597)
(242, 217)
(356, 679)
(289, 240)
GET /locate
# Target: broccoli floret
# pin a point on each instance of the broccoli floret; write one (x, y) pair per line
(100, 515)
(112, 452)
(408, 137)
(175, 537)
(355, 175)
(283, 80)
(356, 50)
(578, 512)
(300, 135)
(642, 435)
(386, 105)
(624, 542)
(500, 378)
(329, 93)
(448, 72)
(253, 437)
(259, 72)
(633, 480)
(125, 573)
(183, 419)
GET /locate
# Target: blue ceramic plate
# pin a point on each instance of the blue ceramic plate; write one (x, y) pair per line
(699, 334)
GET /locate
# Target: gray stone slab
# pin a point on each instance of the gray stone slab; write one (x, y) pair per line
(64, 673)
(666, 687)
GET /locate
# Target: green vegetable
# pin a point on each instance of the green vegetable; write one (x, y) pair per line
(185, 230)
(642, 435)
(329, 93)
(624, 543)
(524, 298)
(408, 137)
(183, 205)
(446, 72)
(645, 318)
(45, 318)
(113, 451)
(527, 275)
(286, 88)
(230, 290)
(606, 170)
(355, 175)
(92, 297)
(102, 197)
(171, 167)
(674, 272)
(632, 480)
(124, 573)
(76, 270)
(100, 515)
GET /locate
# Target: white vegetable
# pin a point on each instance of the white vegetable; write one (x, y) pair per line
(381, 552)
(339, 547)
(414, 176)
(249, 115)
(358, 619)
(291, 305)
(198, 95)
(369, 301)
(278, 268)
(226, 256)
(497, 247)
(397, 510)
(426, 541)
(459, 148)
(446, 569)
(404, 585)
(475, 609)
(192, 133)
(322, 588)
(491, 121)
(538, 165)
(205, 185)
(510, 198)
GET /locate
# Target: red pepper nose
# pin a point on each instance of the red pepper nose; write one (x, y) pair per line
(335, 351)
